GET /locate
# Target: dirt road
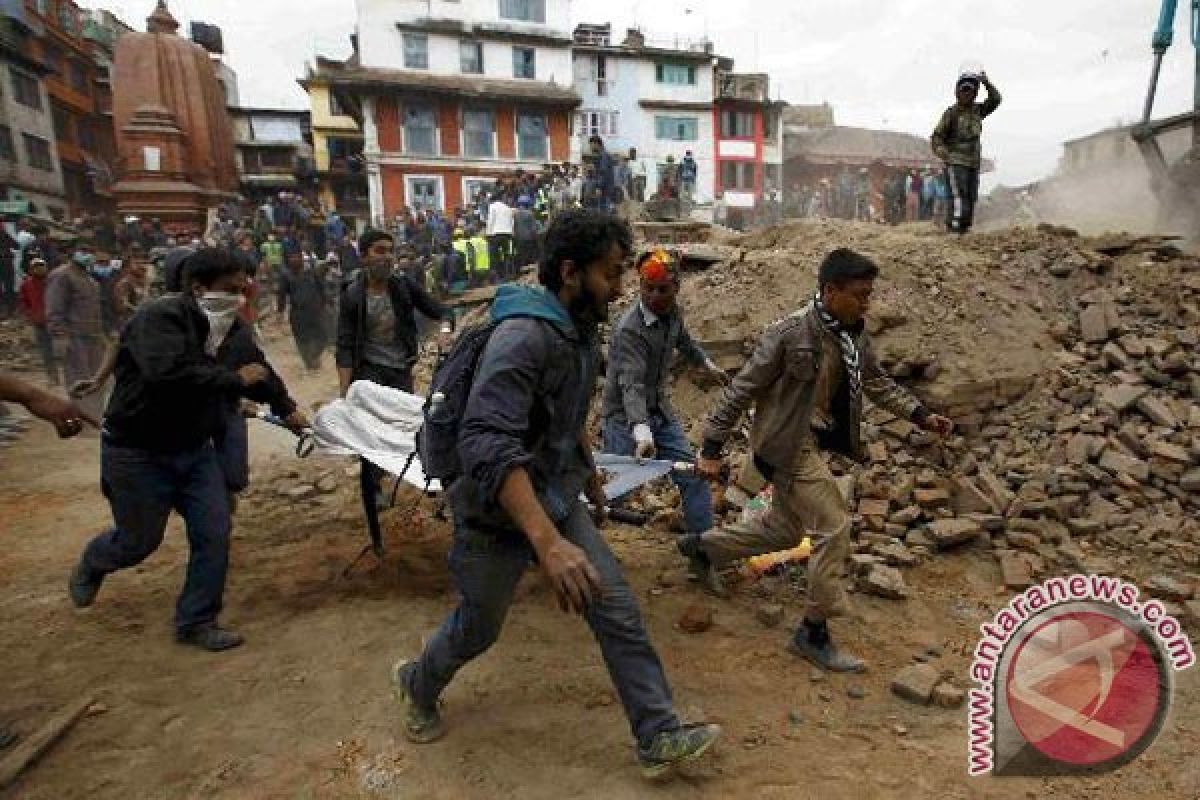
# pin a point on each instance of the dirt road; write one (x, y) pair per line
(303, 709)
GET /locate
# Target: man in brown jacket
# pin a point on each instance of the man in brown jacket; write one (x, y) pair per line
(806, 380)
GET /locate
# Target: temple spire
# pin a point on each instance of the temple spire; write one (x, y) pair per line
(161, 20)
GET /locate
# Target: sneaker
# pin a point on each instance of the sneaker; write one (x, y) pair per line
(670, 748)
(421, 725)
(815, 645)
(83, 585)
(700, 566)
(212, 638)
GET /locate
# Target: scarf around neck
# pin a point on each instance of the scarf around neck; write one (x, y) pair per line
(845, 339)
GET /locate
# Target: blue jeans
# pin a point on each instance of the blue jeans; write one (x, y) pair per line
(487, 566)
(142, 489)
(672, 444)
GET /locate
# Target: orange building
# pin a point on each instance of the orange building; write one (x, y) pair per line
(81, 129)
(448, 104)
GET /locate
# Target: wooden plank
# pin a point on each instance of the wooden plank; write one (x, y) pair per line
(33, 748)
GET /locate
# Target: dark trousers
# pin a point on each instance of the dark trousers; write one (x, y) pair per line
(369, 474)
(487, 567)
(233, 452)
(142, 489)
(45, 346)
(8, 287)
(500, 254)
(309, 332)
(964, 191)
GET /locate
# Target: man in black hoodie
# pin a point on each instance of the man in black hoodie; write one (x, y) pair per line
(157, 453)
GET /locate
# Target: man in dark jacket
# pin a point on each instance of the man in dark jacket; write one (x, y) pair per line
(806, 381)
(957, 141)
(377, 338)
(157, 452)
(302, 287)
(525, 460)
(638, 418)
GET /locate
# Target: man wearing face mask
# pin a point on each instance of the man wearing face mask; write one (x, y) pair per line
(806, 381)
(75, 317)
(377, 337)
(638, 418)
(169, 402)
(303, 288)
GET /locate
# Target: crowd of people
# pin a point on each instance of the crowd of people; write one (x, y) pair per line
(184, 363)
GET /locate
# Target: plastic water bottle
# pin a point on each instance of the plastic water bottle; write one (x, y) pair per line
(761, 565)
(436, 401)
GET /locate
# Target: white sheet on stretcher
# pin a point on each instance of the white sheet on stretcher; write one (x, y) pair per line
(375, 422)
(380, 424)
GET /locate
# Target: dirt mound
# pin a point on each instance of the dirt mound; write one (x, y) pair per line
(967, 321)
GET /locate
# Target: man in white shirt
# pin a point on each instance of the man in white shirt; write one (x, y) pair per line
(500, 222)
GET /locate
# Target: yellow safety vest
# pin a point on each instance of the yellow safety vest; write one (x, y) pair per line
(483, 261)
(460, 246)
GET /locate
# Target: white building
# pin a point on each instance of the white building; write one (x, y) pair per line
(657, 97)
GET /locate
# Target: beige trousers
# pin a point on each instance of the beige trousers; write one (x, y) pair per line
(805, 499)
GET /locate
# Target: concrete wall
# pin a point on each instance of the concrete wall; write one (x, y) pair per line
(42, 186)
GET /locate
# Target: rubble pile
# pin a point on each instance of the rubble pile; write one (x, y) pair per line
(1070, 366)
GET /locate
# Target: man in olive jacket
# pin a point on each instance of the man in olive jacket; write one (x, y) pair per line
(806, 381)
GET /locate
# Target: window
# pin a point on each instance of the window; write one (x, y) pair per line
(420, 131)
(470, 55)
(416, 51)
(675, 74)
(479, 140)
(7, 151)
(737, 175)
(737, 125)
(679, 129)
(151, 159)
(64, 131)
(524, 63)
(473, 186)
(26, 89)
(87, 136)
(596, 123)
(66, 18)
(335, 106)
(531, 137)
(38, 152)
(523, 10)
(424, 194)
(275, 159)
(79, 76)
(600, 75)
(52, 54)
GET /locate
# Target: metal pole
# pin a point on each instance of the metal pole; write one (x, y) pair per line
(1154, 70)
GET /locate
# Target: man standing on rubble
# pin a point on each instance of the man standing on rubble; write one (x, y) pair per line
(638, 418)
(806, 381)
(957, 141)
(525, 461)
(156, 452)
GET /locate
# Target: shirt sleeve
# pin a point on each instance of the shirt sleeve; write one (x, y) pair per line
(764, 368)
(629, 358)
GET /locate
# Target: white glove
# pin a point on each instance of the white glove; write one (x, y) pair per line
(645, 442)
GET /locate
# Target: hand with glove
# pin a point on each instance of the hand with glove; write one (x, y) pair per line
(644, 439)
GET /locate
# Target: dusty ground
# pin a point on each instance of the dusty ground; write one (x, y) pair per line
(303, 709)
